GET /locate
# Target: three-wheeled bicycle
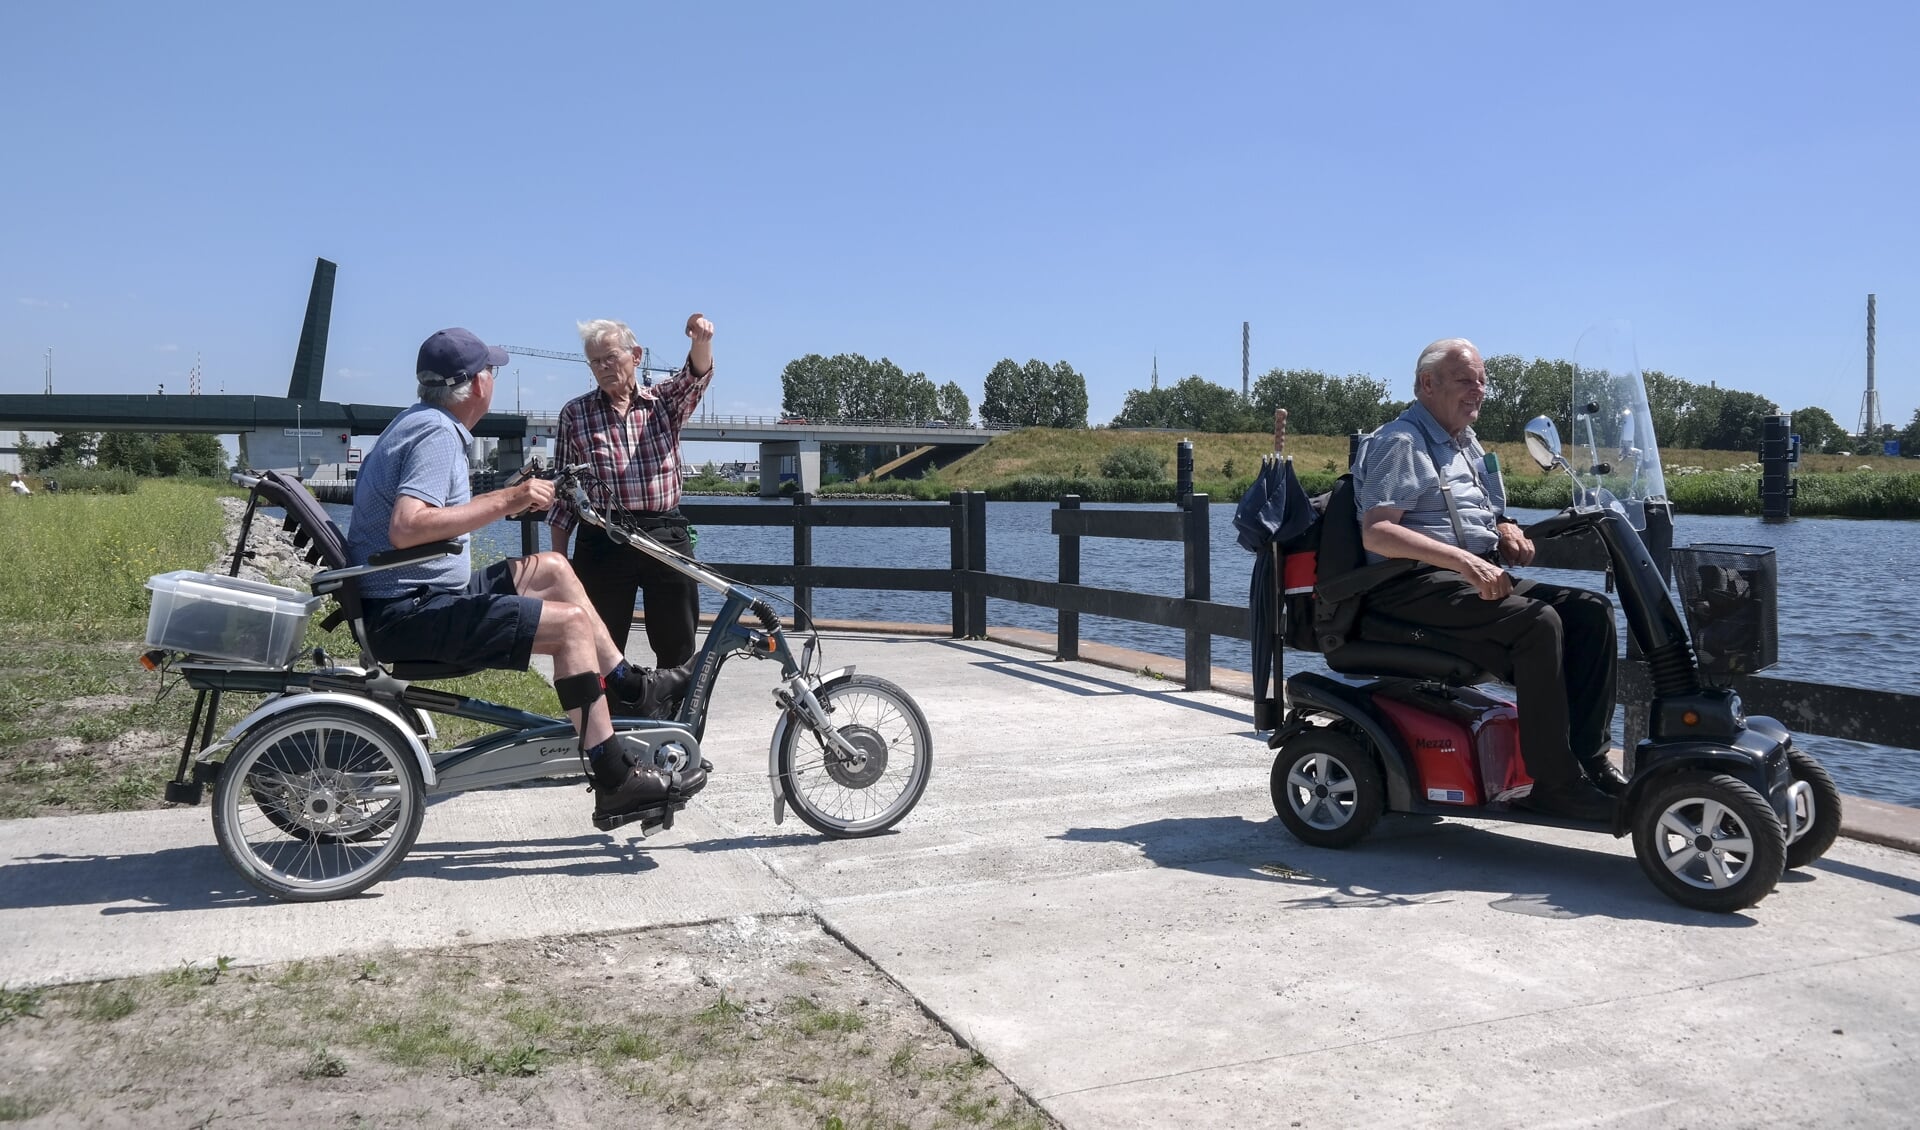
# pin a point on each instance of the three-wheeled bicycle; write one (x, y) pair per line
(319, 792)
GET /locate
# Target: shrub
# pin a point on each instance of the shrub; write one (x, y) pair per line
(1133, 463)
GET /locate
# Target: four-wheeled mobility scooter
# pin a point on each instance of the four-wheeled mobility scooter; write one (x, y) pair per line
(1719, 802)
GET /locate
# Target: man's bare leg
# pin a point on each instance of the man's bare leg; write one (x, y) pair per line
(549, 577)
(563, 634)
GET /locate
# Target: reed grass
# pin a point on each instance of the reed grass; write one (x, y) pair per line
(80, 561)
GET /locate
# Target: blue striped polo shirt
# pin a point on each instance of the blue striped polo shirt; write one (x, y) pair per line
(422, 454)
(1402, 466)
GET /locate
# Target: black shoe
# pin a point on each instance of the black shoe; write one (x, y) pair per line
(1605, 776)
(643, 788)
(1578, 799)
(648, 693)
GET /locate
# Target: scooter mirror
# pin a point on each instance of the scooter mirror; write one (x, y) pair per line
(1543, 442)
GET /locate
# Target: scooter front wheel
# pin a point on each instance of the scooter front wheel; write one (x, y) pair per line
(319, 802)
(1823, 799)
(1326, 788)
(1709, 841)
(870, 790)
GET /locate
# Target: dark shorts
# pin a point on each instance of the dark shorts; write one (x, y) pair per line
(486, 625)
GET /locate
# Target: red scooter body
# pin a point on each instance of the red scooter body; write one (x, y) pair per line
(1465, 744)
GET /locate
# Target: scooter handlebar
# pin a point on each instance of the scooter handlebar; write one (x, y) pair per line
(1566, 522)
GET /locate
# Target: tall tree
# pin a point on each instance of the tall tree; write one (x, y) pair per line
(1818, 430)
(1035, 395)
(1319, 404)
(951, 404)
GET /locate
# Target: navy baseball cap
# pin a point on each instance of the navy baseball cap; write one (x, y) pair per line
(456, 355)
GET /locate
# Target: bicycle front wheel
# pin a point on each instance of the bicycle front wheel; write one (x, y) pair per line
(318, 803)
(870, 790)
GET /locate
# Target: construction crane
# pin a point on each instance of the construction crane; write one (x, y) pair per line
(646, 359)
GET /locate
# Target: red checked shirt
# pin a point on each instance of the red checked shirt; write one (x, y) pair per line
(636, 453)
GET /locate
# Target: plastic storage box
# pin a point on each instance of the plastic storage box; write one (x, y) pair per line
(1731, 595)
(232, 618)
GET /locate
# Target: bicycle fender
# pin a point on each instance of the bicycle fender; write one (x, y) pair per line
(381, 711)
(837, 675)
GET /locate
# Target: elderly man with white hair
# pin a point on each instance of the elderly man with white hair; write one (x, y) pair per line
(1424, 493)
(629, 434)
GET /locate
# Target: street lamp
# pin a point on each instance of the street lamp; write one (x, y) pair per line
(299, 452)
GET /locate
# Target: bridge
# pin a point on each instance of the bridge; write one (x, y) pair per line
(300, 430)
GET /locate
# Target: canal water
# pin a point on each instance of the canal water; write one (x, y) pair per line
(1845, 616)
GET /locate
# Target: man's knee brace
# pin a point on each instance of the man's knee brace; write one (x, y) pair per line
(577, 692)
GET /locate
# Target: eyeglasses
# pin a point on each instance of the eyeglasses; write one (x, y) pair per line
(606, 361)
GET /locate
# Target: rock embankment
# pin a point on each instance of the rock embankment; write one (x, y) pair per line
(274, 559)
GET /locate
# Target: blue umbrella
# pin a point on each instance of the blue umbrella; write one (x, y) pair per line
(1273, 513)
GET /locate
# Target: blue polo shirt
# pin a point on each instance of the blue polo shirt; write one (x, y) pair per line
(1408, 462)
(422, 454)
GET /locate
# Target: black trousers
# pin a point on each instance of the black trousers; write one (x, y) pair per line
(1555, 644)
(612, 573)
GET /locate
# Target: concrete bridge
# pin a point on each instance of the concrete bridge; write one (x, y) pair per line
(303, 433)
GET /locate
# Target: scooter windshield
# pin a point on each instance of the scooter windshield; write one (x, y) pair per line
(1613, 451)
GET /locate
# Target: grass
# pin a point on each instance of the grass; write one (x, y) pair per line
(1040, 464)
(428, 1016)
(83, 728)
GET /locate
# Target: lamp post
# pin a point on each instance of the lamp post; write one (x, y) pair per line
(299, 451)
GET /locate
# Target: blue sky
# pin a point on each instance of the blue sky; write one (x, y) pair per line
(946, 185)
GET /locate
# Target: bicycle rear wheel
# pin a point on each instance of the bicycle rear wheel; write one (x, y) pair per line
(319, 802)
(864, 794)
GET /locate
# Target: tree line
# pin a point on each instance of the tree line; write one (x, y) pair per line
(1686, 414)
(148, 454)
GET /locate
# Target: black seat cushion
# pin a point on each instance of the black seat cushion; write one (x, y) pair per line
(415, 672)
(1390, 647)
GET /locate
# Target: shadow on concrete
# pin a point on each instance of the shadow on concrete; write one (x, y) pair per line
(184, 878)
(1055, 675)
(591, 853)
(1423, 862)
(1864, 874)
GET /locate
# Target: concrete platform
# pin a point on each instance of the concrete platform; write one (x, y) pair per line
(1095, 892)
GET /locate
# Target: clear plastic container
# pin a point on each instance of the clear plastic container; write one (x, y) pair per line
(232, 618)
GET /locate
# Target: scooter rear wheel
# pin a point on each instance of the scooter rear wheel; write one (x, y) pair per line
(1326, 788)
(1709, 841)
(1825, 817)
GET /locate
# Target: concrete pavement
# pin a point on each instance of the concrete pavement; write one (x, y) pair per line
(1095, 893)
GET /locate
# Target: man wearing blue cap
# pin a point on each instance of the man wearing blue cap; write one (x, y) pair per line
(413, 489)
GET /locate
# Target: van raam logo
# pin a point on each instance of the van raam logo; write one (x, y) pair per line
(1448, 796)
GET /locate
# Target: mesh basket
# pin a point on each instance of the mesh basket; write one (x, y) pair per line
(1731, 597)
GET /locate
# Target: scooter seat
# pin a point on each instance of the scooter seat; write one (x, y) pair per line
(1396, 649)
(1364, 657)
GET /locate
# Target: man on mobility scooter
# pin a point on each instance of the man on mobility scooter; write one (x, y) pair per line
(1423, 492)
(413, 489)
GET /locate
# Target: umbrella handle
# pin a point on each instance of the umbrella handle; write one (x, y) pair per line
(1279, 431)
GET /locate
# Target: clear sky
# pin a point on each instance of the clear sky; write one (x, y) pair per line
(950, 184)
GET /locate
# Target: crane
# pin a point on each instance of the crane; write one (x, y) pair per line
(646, 358)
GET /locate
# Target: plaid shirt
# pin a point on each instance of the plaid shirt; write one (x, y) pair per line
(636, 454)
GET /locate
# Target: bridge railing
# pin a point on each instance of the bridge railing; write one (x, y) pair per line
(1877, 717)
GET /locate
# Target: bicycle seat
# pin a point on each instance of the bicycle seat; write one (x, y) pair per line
(311, 530)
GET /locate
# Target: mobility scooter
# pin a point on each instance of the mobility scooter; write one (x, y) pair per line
(1719, 803)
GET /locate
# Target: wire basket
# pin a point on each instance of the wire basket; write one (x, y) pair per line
(1731, 597)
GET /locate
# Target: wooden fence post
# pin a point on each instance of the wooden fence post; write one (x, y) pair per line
(977, 560)
(1067, 632)
(1199, 562)
(957, 561)
(802, 552)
